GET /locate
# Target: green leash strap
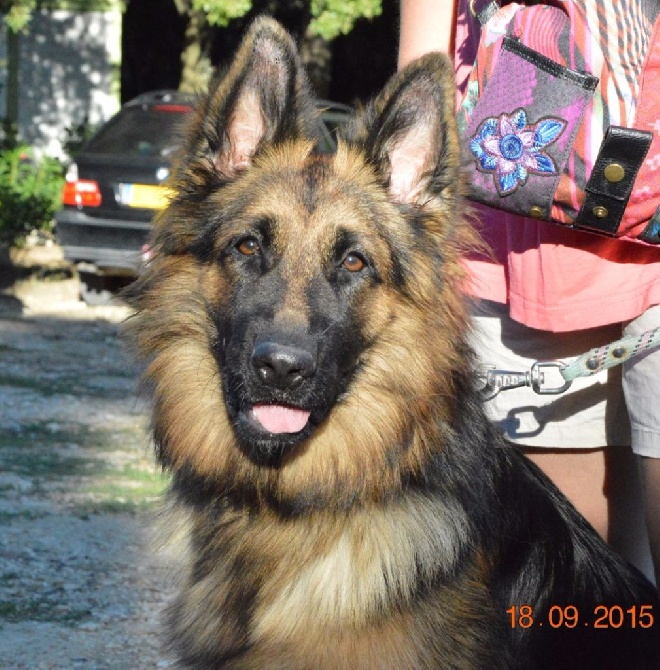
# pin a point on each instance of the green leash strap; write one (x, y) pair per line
(593, 361)
(615, 353)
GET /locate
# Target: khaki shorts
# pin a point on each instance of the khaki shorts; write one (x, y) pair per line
(592, 413)
(641, 386)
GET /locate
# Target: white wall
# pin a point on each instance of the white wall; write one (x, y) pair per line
(66, 73)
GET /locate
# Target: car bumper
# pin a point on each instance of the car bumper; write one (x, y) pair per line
(108, 244)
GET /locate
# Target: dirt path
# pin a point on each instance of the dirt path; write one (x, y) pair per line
(80, 584)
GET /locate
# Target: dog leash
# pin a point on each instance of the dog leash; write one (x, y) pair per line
(589, 363)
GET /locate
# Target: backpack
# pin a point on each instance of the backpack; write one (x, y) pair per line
(561, 115)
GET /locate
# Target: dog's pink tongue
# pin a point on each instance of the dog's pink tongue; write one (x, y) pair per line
(280, 419)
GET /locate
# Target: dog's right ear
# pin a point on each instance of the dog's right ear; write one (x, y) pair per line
(263, 97)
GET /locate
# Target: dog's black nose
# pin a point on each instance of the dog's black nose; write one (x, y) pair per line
(283, 366)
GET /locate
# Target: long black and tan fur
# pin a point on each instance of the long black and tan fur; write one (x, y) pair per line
(395, 527)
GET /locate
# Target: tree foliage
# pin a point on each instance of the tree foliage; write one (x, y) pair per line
(329, 18)
(221, 12)
(337, 17)
(18, 13)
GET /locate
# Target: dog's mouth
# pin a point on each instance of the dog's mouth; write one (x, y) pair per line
(268, 431)
(278, 419)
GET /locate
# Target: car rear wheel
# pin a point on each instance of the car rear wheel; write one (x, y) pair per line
(98, 289)
(94, 289)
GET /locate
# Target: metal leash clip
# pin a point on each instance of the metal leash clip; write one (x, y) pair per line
(495, 381)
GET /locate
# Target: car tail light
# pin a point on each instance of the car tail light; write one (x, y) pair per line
(80, 192)
(184, 109)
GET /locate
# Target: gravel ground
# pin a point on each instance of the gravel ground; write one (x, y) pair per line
(81, 583)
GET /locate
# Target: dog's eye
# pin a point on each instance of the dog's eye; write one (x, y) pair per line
(248, 246)
(354, 262)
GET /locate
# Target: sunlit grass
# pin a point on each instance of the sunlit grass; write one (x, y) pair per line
(92, 470)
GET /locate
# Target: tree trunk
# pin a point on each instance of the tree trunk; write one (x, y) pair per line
(316, 55)
(195, 58)
(13, 62)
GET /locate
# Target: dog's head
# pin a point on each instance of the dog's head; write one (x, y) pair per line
(301, 311)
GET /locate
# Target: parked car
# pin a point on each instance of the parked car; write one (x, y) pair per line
(115, 186)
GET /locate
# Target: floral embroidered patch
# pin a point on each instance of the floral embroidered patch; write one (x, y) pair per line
(511, 149)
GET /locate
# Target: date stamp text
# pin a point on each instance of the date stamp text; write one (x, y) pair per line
(569, 616)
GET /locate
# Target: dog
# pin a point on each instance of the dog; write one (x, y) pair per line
(305, 337)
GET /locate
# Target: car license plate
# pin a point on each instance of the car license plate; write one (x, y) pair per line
(143, 196)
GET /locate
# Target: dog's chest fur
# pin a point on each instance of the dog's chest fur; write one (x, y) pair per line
(313, 591)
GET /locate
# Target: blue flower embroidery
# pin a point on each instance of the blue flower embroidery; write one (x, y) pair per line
(511, 149)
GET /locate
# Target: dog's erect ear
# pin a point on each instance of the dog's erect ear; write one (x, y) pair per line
(409, 132)
(263, 97)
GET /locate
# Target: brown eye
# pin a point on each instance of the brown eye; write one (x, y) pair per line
(354, 262)
(248, 247)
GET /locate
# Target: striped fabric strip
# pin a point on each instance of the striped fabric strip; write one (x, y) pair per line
(602, 358)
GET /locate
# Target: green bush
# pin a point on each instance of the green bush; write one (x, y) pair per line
(75, 137)
(30, 194)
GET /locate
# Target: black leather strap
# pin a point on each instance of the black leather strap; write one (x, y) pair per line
(583, 79)
(622, 152)
(487, 12)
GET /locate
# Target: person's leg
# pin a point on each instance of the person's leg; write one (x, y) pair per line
(627, 530)
(603, 484)
(641, 385)
(650, 475)
(581, 475)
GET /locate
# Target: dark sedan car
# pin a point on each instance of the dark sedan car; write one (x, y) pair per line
(115, 186)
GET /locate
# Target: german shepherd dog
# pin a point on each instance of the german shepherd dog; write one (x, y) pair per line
(305, 339)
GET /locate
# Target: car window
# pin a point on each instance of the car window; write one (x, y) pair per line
(334, 120)
(137, 131)
(331, 121)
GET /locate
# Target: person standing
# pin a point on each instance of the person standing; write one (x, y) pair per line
(548, 292)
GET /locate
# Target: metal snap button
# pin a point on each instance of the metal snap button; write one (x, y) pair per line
(614, 173)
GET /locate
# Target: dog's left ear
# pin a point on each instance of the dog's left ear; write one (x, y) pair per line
(409, 132)
(263, 97)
